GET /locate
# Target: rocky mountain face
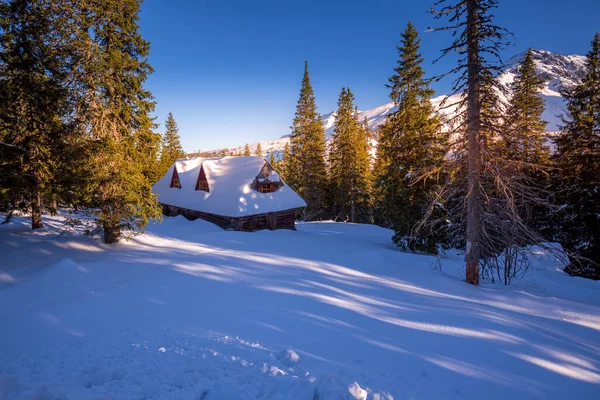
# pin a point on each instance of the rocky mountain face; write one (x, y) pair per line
(560, 72)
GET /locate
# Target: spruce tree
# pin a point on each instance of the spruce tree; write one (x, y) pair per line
(349, 163)
(525, 136)
(522, 144)
(35, 113)
(411, 144)
(306, 169)
(285, 162)
(578, 161)
(258, 150)
(171, 144)
(478, 42)
(115, 108)
(273, 161)
(247, 151)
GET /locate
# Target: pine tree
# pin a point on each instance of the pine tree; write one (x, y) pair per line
(115, 110)
(258, 150)
(35, 111)
(247, 151)
(284, 164)
(525, 139)
(273, 161)
(411, 144)
(522, 146)
(578, 160)
(478, 42)
(349, 163)
(306, 169)
(171, 144)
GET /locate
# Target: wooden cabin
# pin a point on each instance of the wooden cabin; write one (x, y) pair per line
(239, 193)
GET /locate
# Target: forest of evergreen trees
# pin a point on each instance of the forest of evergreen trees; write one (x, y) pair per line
(76, 130)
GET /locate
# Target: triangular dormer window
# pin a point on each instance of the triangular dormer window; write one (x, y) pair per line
(202, 183)
(175, 182)
(267, 180)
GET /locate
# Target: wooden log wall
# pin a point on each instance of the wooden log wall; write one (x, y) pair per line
(276, 220)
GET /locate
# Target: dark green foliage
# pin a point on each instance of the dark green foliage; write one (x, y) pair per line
(34, 102)
(349, 163)
(258, 150)
(116, 117)
(171, 145)
(247, 151)
(410, 145)
(305, 167)
(524, 139)
(578, 180)
(284, 164)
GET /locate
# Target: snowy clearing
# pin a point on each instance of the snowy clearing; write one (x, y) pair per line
(331, 311)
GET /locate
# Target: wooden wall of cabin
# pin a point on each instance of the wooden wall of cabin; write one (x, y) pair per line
(276, 220)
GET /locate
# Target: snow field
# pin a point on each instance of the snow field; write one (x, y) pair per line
(331, 311)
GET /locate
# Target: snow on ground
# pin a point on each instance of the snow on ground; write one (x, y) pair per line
(331, 311)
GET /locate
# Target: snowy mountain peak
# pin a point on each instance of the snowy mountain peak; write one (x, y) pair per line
(560, 72)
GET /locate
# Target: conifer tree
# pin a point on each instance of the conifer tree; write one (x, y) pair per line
(258, 150)
(247, 151)
(522, 147)
(578, 160)
(411, 144)
(349, 170)
(171, 144)
(524, 139)
(284, 163)
(478, 42)
(115, 110)
(273, 161)
(305, 168)
(34, 103)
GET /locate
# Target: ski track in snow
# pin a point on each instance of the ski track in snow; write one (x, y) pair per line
(331, 311)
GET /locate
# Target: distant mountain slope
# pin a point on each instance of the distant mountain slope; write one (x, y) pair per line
(560, 72)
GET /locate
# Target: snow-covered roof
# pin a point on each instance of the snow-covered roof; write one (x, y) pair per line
(229, 181)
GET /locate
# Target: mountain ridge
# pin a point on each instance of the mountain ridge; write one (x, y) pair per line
(559, 71)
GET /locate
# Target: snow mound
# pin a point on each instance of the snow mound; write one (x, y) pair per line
(289, 357)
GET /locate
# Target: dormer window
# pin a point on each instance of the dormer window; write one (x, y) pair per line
(266, 187)
(267, 180)
(202, 183)
(175, 183)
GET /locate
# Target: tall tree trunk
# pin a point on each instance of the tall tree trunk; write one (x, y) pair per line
(36, 211)
(473, 253)
(54, 207)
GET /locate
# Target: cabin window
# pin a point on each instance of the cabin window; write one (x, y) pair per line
(266, 187)
(202, 182)
(202, 185)
(175, 183)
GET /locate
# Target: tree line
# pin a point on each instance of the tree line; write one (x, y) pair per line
(75, 117)
(488, 185)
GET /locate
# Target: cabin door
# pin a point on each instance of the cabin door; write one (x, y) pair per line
(272, 221)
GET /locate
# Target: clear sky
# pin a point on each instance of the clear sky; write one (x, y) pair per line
(230, 70)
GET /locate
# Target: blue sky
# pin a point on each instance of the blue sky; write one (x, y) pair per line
(230, 71)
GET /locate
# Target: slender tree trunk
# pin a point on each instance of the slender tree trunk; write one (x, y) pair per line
(36, 211)
(54, 204)
(473, 253)
(352, 210)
